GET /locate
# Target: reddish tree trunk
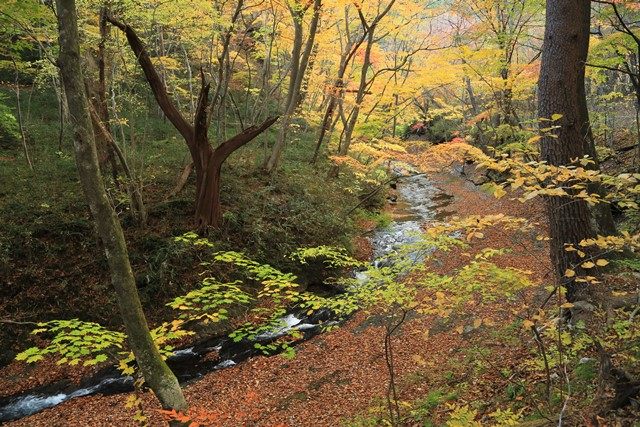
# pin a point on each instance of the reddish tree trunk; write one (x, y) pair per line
(208, 203)
(207, 161)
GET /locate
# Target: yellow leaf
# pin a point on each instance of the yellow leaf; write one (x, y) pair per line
(602, 262)
(530, 195)
(527, 324)
(569, 273)
(418, 360)
(534, 139)
(588, 264)
(460, 329)
(499, 192)
(566, 305)
(477, 323)
(132, 401)
(517, 183)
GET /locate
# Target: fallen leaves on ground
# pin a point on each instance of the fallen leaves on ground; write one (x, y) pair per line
(343, 373)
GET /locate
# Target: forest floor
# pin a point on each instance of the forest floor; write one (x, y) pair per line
(341, 378)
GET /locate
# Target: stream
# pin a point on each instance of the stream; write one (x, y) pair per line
(417, 202)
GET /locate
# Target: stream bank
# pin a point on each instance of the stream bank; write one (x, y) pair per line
(417, 203)
(340, 377)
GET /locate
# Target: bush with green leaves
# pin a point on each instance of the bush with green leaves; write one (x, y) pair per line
(211, 302)
(331, 257)
(75, 341)
(9, 130)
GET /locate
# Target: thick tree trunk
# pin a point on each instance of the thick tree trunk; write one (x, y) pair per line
(566, 43)
(207, 162)
(208, 204)
(604, 223)
(155, 371)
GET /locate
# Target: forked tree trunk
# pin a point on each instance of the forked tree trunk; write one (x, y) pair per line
(155, 371)
(208, 205)
(566, 43)
(207, 161)
(345, 141)
(349, 127)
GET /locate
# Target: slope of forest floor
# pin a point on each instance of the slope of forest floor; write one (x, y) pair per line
(52, 268)
(340, 377)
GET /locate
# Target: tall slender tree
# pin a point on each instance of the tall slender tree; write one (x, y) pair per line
(299, 63)
(155, 371)
(351, 46)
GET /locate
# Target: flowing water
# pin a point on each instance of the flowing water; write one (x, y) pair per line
(418, 200)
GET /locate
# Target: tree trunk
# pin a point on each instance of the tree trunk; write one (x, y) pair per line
(23, 135)
(206, 161)
(601, 212)
(134, 191)
(208, 204)
(155, 371)
(324, 128)
(350, 126)
(337, 91)
(299, 63)
(476, 110)
(566, 43)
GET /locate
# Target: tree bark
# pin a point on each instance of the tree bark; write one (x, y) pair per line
(476, 110)
(23, 136)
(134, 190)
(349, 125)
(155, 371)
(561, 91)
(208, 209)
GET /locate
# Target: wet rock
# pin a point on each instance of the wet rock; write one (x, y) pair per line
(582, 307)
(480, 179)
